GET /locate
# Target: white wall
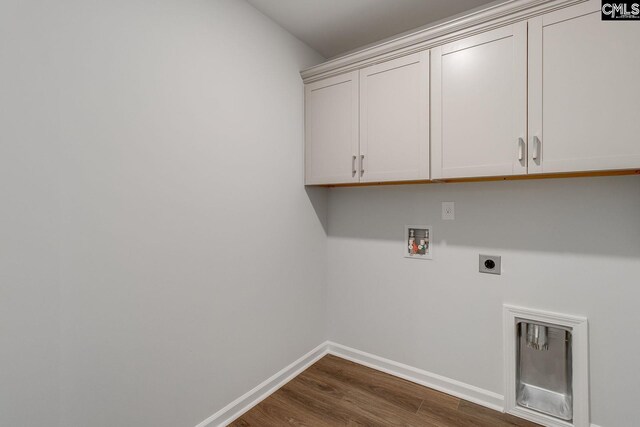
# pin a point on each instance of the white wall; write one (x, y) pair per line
(571, 246)
(152, 170)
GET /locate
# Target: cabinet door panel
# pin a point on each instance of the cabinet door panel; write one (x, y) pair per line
(584, 96)
(479, 105)
(394, 119)
(331, 130)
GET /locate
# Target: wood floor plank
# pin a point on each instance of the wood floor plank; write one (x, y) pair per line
(437, 399)
(240, 422)
(443, 417)
(367, 404)
(490, 415)
(470, 415)
(405, 394)
(337, 392)
(330, 408)
(266, 413)
(279, 411)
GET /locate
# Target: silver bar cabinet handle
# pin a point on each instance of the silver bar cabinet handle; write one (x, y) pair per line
(536, 148)
(520, 149)
(353, 166)
(361, 164)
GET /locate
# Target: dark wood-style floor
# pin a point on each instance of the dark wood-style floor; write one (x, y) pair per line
(336, 392)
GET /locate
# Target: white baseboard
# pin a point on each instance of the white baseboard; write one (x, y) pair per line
(437, 382)
(235, 409)
(446, 385)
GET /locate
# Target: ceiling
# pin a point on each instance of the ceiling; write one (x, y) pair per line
(333, 27)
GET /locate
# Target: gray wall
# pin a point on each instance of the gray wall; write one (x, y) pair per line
(29, 219)
(157, 243)
(145, 146)
(571, 246)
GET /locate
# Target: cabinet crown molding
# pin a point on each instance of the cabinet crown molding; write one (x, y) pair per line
(493, 16)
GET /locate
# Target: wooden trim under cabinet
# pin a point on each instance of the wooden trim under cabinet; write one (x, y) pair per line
(625, 172)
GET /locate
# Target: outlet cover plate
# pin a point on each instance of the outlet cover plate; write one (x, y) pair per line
(491, 264)
(448, 211)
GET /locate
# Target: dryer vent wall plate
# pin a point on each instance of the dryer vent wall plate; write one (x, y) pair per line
(418, 241)
(546, 367)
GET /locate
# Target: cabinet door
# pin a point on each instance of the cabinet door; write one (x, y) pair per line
(479, 105)
(394, 119)
(584, 100)
(331, 130)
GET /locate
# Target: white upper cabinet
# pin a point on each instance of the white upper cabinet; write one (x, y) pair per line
(394, 120)
(552, 91)
(584, 100)
(370, 125)
(479, 105)
(331, 130)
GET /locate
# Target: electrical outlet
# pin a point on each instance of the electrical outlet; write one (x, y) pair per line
(448, 211)
(490, 264)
